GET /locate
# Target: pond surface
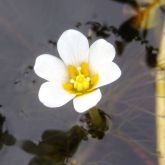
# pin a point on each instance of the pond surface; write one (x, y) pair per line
(29, 28)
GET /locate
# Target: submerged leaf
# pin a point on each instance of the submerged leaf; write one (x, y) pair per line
(2, 120)
(119, 47)
(40, 161)
(8, 139)
(96, 123)
(5, 137)
(55, 146)
(103, 31)
(30, 147)
(151, 56)
(132, 3)
(127, 31)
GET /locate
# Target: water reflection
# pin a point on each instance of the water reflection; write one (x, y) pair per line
(146, 13)
(125, 34)
(128, 31)
(56, 146)
(5, 137)
(146, 16)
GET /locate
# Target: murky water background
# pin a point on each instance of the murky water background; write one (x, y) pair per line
(30, 28)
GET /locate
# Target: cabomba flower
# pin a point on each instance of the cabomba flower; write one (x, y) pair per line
(79, 74)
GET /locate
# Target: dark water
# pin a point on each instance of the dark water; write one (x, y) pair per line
(29, 28)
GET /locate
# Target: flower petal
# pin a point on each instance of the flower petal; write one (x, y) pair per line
(50, 68)
(87, 101)
(73, 47)
(100, 62)
(53, 95)
(108, 73)
(101, 51)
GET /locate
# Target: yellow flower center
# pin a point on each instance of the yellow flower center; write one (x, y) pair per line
(80, 80)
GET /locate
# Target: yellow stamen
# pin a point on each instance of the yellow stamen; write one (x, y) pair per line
(68, 87)
(94, 79)
(81, 83)
(72, 71)
(80, 80)
(84, 69)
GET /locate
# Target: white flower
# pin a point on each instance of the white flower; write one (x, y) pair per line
(80, 74)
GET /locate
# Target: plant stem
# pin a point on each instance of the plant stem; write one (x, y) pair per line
(95, 116)
(160, 102)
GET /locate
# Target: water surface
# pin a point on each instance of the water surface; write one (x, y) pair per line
(30, 28)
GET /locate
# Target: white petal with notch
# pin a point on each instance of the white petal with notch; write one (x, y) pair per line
(108, 73)
(100, 52)
(100, 61)
(73, 47)
(50, 68)
(87, 101)
(53, 95)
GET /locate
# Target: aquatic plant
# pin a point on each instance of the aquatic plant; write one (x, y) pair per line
(80, 74)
